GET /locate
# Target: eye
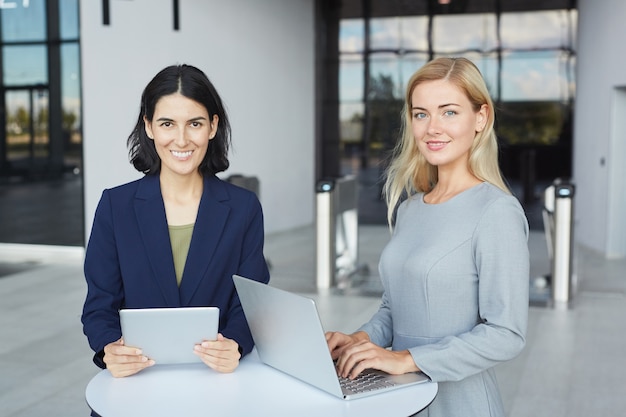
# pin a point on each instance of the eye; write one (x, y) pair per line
(449, 113)
(196, 124)
(419, 115)
(166, 124)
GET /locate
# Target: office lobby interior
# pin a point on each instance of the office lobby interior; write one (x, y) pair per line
(572, 364)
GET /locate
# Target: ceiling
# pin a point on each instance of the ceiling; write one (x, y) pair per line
(386, 8)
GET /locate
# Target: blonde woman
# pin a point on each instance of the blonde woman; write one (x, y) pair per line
(456, 269)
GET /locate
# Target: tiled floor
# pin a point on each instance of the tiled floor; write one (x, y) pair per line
(572, 365)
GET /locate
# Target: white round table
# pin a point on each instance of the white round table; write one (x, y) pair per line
(253, 389)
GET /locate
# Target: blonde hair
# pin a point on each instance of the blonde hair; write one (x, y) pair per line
(409, 172)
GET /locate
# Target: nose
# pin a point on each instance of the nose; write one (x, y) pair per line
(180, 138)
(434, 126)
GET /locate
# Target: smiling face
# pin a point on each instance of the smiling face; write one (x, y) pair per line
(444, 123)
(181, 131)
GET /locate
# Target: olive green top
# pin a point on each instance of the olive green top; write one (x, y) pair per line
(180, 238)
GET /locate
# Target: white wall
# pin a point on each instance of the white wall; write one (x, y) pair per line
(259, 55)
(601, 63)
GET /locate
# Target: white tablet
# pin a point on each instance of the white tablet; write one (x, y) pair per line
(168, 335)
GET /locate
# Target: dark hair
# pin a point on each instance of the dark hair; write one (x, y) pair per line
(192, 83)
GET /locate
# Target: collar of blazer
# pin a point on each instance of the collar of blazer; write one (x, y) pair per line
(210, 223)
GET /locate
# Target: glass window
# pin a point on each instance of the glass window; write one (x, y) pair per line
(351, 122)
(572, 18)
(413, 33)
(534, 75)
(70, 75)
(41, 135)
(385, 76)
(385, 34)
(466, 32)
(18, 119)
(409, 64)
(42, 157)
(351, 78)
(70, 92)
(25, 65)
(351, 36)
(550, 29)
(23, 20)
(68, 13)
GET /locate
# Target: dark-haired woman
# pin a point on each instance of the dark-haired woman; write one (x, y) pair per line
(175, 237)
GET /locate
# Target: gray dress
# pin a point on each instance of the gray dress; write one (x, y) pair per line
(456, 278)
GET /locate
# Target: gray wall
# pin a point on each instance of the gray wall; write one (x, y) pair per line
(259, 55)
(600, 127)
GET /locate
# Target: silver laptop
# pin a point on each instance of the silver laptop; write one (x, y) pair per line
(288, 335)
(168, 335)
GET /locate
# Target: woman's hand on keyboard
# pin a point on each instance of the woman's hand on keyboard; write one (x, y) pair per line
(338, 342)
(364, 354)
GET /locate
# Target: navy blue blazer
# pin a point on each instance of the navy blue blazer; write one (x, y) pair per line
(129, 262)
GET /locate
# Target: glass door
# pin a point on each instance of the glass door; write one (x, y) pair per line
(27, 139)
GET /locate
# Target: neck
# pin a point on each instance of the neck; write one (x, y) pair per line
(449, 184)
(181, 187)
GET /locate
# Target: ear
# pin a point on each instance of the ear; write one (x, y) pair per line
(481, 118)
(148, 127)
(214, 123)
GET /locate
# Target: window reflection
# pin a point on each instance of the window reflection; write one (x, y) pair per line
(68, 13)
(70, 89)
(550, 30)
(413, 31)
(409, 63)
(460, 33)
(387, 66)
(40, 155)
(25, 65)
(23, 21)
(534, 75)
(40, 115)
(352, 36)
(531, 66)
(527, 60)
(18, 125)
(385, 34)
(351, 78)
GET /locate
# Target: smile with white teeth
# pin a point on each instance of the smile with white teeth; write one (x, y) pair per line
(179, 154)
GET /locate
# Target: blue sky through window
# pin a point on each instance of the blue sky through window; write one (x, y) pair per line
(536, 61)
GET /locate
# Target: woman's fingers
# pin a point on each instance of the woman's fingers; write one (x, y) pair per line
(221, 354)
(124, 360)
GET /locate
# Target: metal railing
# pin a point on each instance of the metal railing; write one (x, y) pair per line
(558, 224)
(336, 230)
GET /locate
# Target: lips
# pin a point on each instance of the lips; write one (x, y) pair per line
(436, 145)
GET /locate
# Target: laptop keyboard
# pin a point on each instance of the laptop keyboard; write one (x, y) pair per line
(366, 381)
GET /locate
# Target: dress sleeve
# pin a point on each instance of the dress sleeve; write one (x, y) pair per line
(380, 326)
(500, 248)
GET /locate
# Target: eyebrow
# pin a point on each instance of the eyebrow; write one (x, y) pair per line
(193, 119)
(439, 107)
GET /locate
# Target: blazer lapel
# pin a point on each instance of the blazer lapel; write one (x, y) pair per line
(210, 222)
(150, 212)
